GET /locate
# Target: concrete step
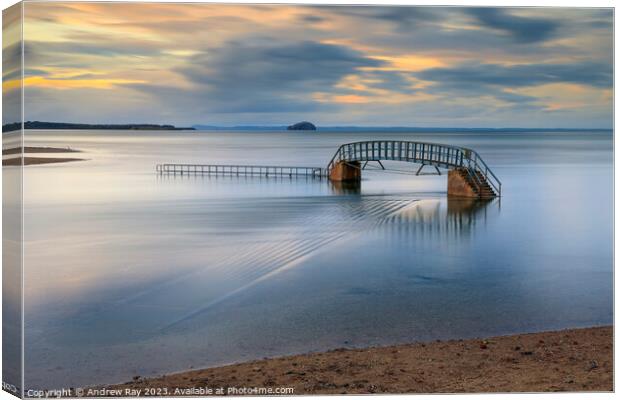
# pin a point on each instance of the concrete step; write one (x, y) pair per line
(479, 184)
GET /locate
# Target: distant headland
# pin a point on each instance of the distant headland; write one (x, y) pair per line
(65, 125)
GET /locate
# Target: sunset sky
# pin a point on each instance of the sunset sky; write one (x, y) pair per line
(265, 64)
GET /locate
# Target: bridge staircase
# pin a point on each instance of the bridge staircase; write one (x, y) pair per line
(478, 183)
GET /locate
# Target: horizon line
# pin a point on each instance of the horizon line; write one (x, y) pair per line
(319, 127)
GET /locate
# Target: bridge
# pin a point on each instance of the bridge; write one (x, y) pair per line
(468, 174)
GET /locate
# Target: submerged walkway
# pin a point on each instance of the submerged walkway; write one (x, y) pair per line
(240, 170)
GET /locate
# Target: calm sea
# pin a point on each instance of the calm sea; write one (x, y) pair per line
(131, 273)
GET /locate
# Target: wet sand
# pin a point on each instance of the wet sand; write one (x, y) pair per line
(31, 149)
(38, 160)
(569, 360)
(14, 161)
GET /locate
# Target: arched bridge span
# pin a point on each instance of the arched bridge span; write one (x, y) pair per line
(466, 162)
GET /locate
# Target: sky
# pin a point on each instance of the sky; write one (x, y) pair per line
(216, 64)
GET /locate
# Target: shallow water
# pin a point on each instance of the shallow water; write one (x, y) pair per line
(131, 273)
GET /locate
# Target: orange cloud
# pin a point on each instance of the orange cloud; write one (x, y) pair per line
(7, 86)
(408, 62)
(39, 81)
(350, 99)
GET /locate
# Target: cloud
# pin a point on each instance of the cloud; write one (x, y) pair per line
(261, 77)
(369, 82)
(521, 29)
(403, 17)
(53, 51)
(312, 19)
(11, 106)
(510, 97)
(524, 89)
(467, 76)
(215, 63)
(17, 74)
(11, 61)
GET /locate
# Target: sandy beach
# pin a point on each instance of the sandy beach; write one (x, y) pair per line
(568, 360)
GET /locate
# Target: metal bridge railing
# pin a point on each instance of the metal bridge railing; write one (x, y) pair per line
(480, 166)
(240, 170)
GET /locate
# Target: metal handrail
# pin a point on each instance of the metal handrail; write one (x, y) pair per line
(165, 165)
(495, 182)
(233, 169)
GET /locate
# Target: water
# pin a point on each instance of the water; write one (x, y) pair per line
(130, 273)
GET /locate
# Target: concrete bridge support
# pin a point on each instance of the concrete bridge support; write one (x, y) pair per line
(459, 186)
(346, 171)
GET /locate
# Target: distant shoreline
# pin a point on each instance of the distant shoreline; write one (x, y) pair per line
(30, 125)
(565, 360)
(39, 125)
(379, 129)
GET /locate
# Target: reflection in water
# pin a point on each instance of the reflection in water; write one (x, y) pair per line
(240, 179)
(284, 233)
(441, 219)
(240, 243)
(346, 187)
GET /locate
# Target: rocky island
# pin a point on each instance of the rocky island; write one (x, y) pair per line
(302, 126)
